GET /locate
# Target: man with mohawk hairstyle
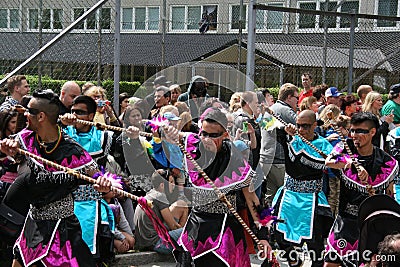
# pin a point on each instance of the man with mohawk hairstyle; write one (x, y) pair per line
(374, 174)
(52, 234)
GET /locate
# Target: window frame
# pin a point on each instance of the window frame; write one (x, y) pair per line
(317, 27)
(280, 4)
(185, 29)
(245, 18)
(386, 28)
(97, 20)
(147, 21)
(51, 29)
(8, 27)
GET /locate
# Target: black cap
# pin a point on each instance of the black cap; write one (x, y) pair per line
(378, 216)
(394, 89)
(215, 114)
(161, 80)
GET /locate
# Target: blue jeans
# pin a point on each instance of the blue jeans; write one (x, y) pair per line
(162, 248)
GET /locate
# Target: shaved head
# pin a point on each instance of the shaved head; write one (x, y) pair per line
(69, 91)
(308, 115)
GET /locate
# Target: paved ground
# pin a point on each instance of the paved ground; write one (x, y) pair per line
(152, 259)
(254, 263)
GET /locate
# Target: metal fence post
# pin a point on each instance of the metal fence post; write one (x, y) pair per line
(117, 54)
(53, 41)
(99, 60)
(251, 46)
(239, 63)
(351, 50)
(163, 29)
(40, 40)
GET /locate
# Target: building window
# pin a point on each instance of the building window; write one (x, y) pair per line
(235, 17)
(33, 19)
(153, 18)
(387, 8)
(194, 13)
(189, 17)
(100, 17)
(105, 18)
(9, 19)
(51, 19)
(307, 21)
(178, 18)
(141, 18)
(269, 20)
(348, 7)
(329, 20)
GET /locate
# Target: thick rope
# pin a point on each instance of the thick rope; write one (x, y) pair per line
(221, 195)
(78, 175)
(357, 165)
(297, 133)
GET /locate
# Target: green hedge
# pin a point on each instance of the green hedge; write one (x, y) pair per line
(55, 85)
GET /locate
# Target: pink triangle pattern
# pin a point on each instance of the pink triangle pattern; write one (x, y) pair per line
(28, 137)
(233, 254)
(386, 172)
(340, 246)
(225, 181)
(208, 245)
(53, 256)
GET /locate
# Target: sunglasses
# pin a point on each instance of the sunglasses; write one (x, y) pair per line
(211, 135)
(359, 131)
(79, 112)
(305, 126)
(33, 111)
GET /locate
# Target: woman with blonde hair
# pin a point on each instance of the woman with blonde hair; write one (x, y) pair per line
(176, 91)
(235, 98)
(309, 102)
(373, 103)
(330, 112)
(104, 113)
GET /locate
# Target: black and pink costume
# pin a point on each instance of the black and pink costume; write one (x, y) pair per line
(52, 233)
(212, 235)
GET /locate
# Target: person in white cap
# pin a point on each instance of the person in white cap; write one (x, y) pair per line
(332, 95)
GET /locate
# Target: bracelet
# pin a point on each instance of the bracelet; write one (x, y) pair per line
(105, 193)
(112, 119)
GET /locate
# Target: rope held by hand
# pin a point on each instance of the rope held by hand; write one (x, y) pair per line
(77, 174)
(271, 112)
(357, 165)
(220, 195)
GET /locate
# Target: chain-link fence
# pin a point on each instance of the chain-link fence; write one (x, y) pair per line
(331, 40)
(86, 53)
(302, 36)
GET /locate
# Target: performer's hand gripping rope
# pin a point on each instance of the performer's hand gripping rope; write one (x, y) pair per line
(78, 175)
(101, 126)
(218, 192)
(297, 133)
(221, 195)
(354, 161)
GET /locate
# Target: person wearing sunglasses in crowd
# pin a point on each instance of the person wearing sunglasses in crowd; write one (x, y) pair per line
(52, 234)
(376, 173)
(302, 190)
(210, 218)
(88, 202)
